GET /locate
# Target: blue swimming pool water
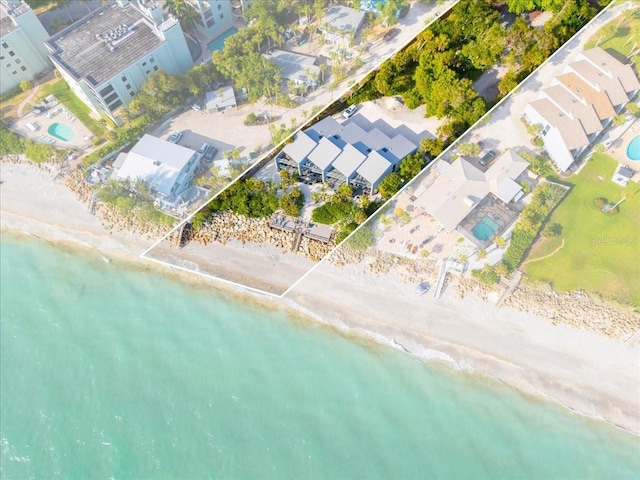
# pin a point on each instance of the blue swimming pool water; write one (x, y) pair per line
(485, 229)
(633, 150)
(218, 42)
(371, 5)
(61, 131)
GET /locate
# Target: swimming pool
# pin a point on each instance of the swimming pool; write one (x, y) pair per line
(633, 149)
(218, 42)
(485, 229)
(61, 131)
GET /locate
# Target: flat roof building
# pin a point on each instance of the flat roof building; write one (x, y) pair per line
(165, 167)
(298, 68)
(341, 25)
(106, 56)
(22, 52)
(220, 100)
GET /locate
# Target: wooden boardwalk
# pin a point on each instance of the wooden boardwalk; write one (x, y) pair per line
(314, 231)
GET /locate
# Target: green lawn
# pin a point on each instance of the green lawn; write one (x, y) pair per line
(63, 93)
(600, 254)
(615, 36)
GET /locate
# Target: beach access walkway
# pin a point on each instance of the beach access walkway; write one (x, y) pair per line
(302, 228)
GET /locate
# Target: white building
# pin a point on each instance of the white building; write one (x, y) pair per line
(106, 56)
(460, 189)
(22, 51)
(298, 68)
(166, 167)
(580, 103)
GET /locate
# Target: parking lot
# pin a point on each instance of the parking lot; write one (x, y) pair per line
(226, 130)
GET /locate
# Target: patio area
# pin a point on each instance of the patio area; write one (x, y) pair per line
(487, 221)
(618, 148)
(53, 124)
(409, 232)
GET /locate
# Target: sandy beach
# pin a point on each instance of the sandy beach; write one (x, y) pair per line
(588, 373)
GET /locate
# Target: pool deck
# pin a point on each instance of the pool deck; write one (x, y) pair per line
(42, 122)
(618, 149)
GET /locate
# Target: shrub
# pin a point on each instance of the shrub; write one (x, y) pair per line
(390, 185)
(362, 239)
(486, 276)
(38, 152)
(26, 85)
(521, 240)
(250, 198)
(552, 230)
(332, 212)
(291, 203)
(251, 119)
(600, 202)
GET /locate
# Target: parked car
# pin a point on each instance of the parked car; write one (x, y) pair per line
(402, 11)
(210, 153)
(391, 34)
(421, 288)
(175, 137)
(487, 157)
(203, 149)
(350, 111)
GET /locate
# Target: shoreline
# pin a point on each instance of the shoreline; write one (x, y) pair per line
(592, 375)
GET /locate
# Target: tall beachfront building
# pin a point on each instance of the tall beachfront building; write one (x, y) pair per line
(214, 17)
(22, 51)
(106, 56)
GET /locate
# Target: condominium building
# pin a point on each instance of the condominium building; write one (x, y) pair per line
(339, 154)
(580, 103)
(106, 56)
(22, 51)
(214, 17)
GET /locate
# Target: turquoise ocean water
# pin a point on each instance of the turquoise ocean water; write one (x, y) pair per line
(115, 373)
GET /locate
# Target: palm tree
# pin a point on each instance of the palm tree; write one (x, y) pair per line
(183, 12)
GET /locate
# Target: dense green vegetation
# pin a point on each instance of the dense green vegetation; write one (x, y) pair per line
(409, 168)
(621, 35)
(599, 253)
(438, 68)
(134, 200)
(363, 238)
(545, 197)
(487, 275)
(13, 144)
(345, 214)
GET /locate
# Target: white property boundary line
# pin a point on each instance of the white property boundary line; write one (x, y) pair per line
(455, 143)
(384, 205)
(275, 148)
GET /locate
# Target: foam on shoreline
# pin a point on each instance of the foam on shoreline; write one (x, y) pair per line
(423, 339)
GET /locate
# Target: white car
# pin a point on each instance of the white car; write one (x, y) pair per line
(175, 137)
(350, 111)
